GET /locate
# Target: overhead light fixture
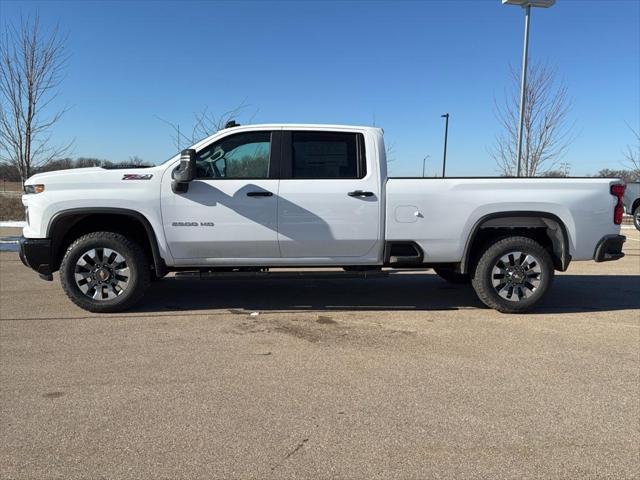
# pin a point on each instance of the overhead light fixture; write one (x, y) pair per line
(530, 3)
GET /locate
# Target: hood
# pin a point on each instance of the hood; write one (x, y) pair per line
(57, 174)
(96, 177)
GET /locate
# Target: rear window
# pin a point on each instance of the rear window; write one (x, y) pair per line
(327, 155)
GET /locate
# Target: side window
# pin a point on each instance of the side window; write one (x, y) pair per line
(244, 155)
(327, 155)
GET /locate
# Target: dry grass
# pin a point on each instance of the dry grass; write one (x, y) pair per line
(11, 207)
(6, 186)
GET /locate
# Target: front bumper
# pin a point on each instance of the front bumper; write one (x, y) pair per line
(36, 254)
(609, 248)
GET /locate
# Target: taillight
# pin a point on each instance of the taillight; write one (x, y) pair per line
(617, 191)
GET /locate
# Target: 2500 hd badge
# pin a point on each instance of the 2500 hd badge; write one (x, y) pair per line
(192, 224)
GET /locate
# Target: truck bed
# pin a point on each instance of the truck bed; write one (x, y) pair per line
(440, 213)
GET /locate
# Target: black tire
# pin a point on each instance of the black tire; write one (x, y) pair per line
(532, 291)
(451, 276)
(137, 280)
(636, 217)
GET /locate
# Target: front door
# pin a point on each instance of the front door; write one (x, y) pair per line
(229, 210)
(329, 198)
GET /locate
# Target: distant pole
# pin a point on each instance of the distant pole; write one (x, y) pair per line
(446, 133)
(523, 85)
(424, 161)
(526, 4)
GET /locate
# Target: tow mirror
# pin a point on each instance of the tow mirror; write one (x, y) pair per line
(185, 172)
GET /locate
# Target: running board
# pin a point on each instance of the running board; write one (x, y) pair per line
(285, 274)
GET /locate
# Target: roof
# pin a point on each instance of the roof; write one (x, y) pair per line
(308, 126)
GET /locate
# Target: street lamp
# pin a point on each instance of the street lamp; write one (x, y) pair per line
(526, 4)
(446, 132)
(424, 160)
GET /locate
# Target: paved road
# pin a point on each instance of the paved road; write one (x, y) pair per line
(398, 377)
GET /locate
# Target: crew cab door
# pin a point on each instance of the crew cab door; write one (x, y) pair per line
(229, 210)
(329, 198)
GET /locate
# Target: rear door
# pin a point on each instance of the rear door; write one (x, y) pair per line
(329, 198)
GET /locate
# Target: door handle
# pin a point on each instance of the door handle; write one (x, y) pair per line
(360, 193)
(259, 194)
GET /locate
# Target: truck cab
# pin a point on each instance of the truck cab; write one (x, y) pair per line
(274, 196)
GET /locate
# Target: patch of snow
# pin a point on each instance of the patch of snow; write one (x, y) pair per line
(13, 223)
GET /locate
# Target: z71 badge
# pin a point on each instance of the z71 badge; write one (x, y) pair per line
(137, 176)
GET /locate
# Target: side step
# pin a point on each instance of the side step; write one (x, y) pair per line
(308, 274)
(403, 254)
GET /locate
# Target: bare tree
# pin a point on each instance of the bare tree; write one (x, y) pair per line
(205, 124)
(563, 170)
(390, 151)
(546, 131)
(632, 153)
(31, 67)
(136, 161)
(625, 175)
(390, 147)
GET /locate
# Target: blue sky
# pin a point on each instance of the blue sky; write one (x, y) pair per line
(404, 63)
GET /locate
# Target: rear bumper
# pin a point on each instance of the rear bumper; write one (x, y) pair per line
(35, 253)
(609, 248)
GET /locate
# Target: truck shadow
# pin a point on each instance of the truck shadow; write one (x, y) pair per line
(396, 292)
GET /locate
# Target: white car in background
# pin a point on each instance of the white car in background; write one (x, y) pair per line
(631, 201)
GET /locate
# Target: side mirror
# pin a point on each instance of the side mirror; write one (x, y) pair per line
(185, 172)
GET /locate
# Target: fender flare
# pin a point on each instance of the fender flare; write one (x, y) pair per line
(564, 258)
(159, 264)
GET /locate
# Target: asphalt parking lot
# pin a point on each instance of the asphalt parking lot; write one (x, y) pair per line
(402, 376)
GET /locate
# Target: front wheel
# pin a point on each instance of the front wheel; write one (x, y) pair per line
(104, 272)
(513, 274)
(636, 217)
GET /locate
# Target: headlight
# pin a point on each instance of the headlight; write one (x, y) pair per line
(37, 188)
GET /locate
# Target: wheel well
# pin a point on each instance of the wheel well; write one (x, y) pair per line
(66, 228)
(636, 204)
(548, 230)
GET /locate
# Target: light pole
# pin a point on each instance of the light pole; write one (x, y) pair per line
(424, 161)
(526, 4)
(446, 133)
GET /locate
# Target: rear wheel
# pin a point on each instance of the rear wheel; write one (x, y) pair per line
(104, 272)
(636, 217)
(451, 276)
(513, 274)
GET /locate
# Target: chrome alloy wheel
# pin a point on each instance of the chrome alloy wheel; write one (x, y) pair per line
(516, 276)
(102, 274)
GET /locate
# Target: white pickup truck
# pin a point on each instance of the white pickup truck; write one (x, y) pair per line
(260, 196)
